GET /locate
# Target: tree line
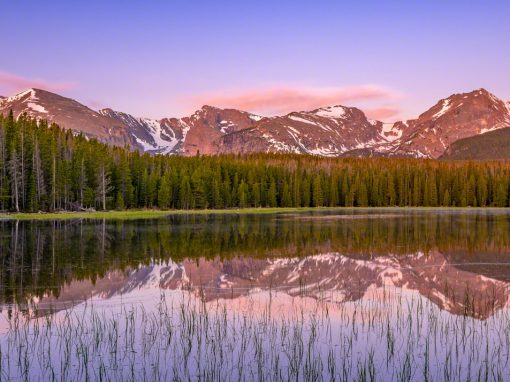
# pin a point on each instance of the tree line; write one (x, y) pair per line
(46, 168)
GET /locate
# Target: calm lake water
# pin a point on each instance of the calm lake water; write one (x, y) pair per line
(389, 294)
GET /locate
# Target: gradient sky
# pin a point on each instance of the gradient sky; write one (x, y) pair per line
(166, 58)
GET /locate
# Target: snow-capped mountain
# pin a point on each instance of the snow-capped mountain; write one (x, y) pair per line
(456, 117)
(330, 276)
(150, 135)
(67, 113)
(327, 131)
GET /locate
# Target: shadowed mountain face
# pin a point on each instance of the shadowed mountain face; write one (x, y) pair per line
(328, 131)
(491, 145)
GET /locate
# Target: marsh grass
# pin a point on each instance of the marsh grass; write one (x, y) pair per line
(268, 336)
(148, 214)
(153, 213)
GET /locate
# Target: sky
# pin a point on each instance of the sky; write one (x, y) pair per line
(155, 58)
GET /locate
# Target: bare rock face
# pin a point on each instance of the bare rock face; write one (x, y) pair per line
(209, 124)
(456, 117)
(67, 113)
(150, 135)
(197, 133)
(328, 131)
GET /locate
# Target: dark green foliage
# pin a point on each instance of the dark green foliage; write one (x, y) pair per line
(46, 168)
(38, 257)
(492, 145)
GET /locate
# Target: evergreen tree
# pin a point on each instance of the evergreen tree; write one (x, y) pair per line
(43, 167)
(164, 193)
(286, 196)
(318, 198)
(271, 195)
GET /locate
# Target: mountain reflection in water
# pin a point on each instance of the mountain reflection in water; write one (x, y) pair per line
(389, 294)
(458, 259)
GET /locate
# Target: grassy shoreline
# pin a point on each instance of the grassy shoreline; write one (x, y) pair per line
(147, 214)
(152, 214)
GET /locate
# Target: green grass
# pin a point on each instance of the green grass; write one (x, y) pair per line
(153, 214)
(146, 214)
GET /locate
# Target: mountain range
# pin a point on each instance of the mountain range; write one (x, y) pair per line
(327, 131)
(329, 276)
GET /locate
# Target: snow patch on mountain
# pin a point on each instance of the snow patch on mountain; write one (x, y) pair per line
(163, 143)
(28, 97)
(20, 96)
(325, 151)
(280, 146)
(225, 126)
(299, 119)
(37, 108)
(489, 129)
(185, 129)
(331, 112)
(444, 108)
(390, 132)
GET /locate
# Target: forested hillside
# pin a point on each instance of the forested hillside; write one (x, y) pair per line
(491, 145)
(46, 168)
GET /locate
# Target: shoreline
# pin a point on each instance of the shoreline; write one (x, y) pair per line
(154, 214)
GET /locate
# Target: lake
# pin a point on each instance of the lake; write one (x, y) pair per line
(345, 294)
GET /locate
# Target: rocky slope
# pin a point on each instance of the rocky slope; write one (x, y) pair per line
(328, 131)
(67, 113)
(456, 117)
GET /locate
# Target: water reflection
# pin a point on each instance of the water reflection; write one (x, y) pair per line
(459, 259)
(353, 295)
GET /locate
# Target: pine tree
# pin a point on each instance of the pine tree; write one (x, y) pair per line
(103, 185)
(318, 198)
(164, 193)
(119, 201)
(39, 175)
(185, 194)
(46, 168)
(501, 195)
(306, 192)
(217, 201)
(271, 195)
(334, 198)
(242, 193)
(446, 199)
(198, 190)
(286, 196)
(417, 191)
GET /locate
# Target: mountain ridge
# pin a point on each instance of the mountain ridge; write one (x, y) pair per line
(326, 131)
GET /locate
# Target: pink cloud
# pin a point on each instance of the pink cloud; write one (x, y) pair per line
(11, 83)
(95, 104)
(382, 113)
(282, 100)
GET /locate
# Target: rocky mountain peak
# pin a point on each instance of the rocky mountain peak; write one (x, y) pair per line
(327, 131)
(456, 117)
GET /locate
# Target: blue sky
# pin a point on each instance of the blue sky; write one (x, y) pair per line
(166, 58)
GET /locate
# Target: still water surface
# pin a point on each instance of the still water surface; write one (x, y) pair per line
(389, 294)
